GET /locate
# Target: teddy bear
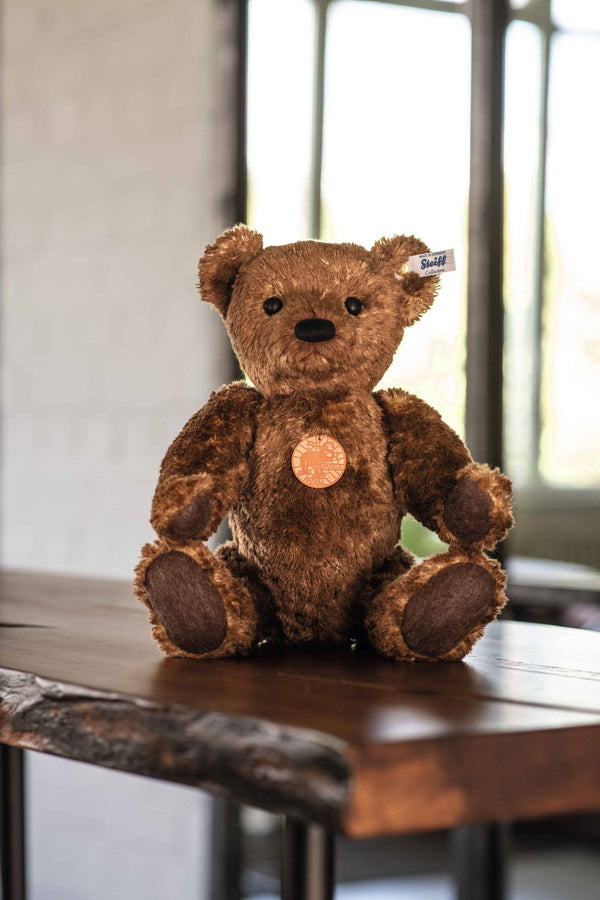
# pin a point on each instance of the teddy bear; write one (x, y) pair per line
(316, 471)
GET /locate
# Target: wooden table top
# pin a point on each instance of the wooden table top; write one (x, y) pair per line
(359, 743)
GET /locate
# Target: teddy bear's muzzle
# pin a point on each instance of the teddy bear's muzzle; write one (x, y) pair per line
(314, 330)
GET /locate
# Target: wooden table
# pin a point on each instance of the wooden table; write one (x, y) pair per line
(336, 741)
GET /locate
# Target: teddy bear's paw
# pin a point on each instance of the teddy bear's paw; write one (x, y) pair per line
(191, 522)
(183, 509)
(442, 613)
(186, 602)
(478, 510)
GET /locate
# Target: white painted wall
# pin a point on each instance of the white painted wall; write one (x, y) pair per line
(100, 835)
(109, 193)
(114, 173)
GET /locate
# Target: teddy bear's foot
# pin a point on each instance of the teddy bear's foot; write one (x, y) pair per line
(186, 602)
(439, 609)
(198, 607)
(439, 615)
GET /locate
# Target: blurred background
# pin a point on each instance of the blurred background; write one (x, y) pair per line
(133, 132)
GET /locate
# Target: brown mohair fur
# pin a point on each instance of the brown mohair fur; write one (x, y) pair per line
(320, 564)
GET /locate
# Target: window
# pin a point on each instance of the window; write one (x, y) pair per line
(552, 294)
(358, 126)
(552, 147)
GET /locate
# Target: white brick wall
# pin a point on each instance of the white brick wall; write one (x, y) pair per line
(110, 132)
(115, 172)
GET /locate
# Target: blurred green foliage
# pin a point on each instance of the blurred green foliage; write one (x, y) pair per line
(419, 540)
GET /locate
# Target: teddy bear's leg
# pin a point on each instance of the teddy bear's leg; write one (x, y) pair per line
(201, 604)
(438, 609)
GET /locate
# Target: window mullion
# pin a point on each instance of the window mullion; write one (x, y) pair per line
(318, 118)
(433, 5)
(540, 263)
(485, 309)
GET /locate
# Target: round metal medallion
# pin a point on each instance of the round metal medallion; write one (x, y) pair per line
(318, 461)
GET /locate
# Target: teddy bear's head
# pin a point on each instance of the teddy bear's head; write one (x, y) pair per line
(311, 315)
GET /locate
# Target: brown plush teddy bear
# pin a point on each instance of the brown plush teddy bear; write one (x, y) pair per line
(317, 472)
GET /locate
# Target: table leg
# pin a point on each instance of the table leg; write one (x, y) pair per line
(480, 861)
(227, 863)
(307, 871)
(12, 823)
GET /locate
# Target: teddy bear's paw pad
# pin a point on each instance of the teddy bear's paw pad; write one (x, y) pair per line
(191, 521)
(441, 613)
(186, 602)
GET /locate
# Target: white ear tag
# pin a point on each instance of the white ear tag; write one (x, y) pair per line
(432, 263)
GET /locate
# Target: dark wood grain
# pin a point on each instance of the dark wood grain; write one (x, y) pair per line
(362, 744)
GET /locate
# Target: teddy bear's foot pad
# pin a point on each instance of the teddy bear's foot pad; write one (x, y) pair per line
(186, 602)
(441, 613)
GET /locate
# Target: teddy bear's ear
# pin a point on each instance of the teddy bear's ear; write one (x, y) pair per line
(416, 294)
(222, 261)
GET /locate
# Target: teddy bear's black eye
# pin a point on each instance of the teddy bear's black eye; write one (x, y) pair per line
(353, 305)
(272, 306)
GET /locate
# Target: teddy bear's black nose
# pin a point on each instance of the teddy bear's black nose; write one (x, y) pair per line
(315, 330)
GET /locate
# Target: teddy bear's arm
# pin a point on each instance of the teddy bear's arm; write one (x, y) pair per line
(206, 465)
(435, 478)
